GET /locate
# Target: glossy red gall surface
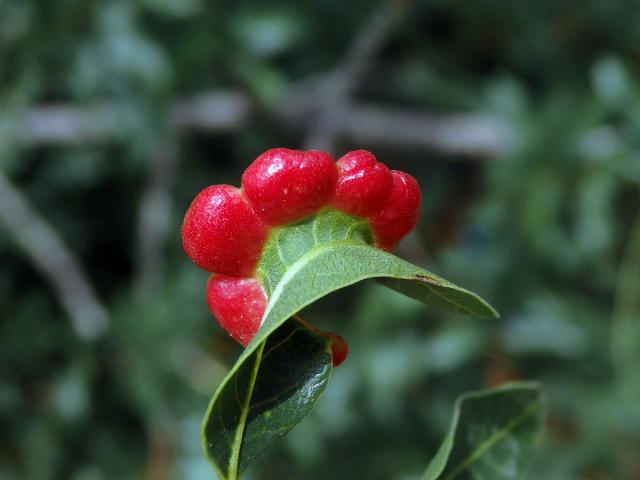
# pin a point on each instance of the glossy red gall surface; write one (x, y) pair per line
(284, 185)
(221, 233)
(225, 229)
(363, 186)
(400, 214)
(238, 304)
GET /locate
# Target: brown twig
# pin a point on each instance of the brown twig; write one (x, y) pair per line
(53, 258)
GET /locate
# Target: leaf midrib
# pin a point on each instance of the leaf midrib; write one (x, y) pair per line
(236, 447)
(299, 265)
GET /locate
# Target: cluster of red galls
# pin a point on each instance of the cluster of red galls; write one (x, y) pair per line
(225, 228)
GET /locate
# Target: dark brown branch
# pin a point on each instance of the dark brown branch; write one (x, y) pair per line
(55, 261)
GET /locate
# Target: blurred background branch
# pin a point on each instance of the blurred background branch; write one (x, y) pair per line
(470, 135)
(337, 87)
(154, 214)
(54, 260)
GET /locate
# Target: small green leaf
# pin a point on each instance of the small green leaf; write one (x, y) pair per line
(492, 435)
(268, 394)
(301, 263)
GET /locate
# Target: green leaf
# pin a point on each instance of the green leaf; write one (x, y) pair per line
(269, 393)
(492, 434)
(308, 260)
(300, 264)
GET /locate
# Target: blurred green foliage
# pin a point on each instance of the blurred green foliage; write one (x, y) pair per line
(540, 231)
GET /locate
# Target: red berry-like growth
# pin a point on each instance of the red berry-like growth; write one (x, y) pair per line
(225, 228)
(238, 304)
(364, 184)
(285, 185)
(220, 232)
(400, 214)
